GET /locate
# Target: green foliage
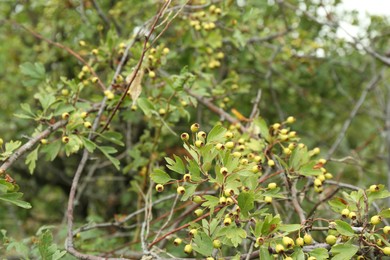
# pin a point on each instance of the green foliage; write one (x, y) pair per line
(253, 175)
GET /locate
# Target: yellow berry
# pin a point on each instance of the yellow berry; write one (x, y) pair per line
(308, 239)
(374, 188)
(82, 43)
(279, 248)
(181, 190)
(227, 221)
(290, 119)
(177, 241)
(268, 199)
(223, 171)
(159, 187)
(187, 177)
(162, 111)
(65, 139)
(166, 50)
(271, 163)
(375, 220)
(202, 134)
(65, 116)
(188, 249)
(195, 127)
(229, 145)
(199, 143)
(272, 185)
(386, 229)
(386, 250)
(152, 74)
(299, 241)
(185, 136)
(345, 213)
(217, 243)
(331, 240)
(43, 141)
(65, 92)
(87, 124)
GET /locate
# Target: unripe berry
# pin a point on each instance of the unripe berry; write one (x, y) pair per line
(217, 243)
(272, 185)
(65, 92)
(187, 177)
(197, 199)
(229, 145)
(374, 188)
(159, 187)
(276, 126)
(299, 241)
(257, 158)
(318, 189)
(316, 151)
(181, 190)
(199, 143)
(185, 136)
(237, 154)
(328, 176)
(255, 168)
(65, 139)
(94, 79)
(223, 171)
(260, 240)
(195, 127)
(241, 148)
(331, 240)
(219, 147)
(227, 221)
(222, 200)
(308, 239)
(193, 232)
(244, 161)
(87, 124)
(162, 111)
(202, 134)
(288, 258)
(284, 131)
(228, 192)
(177, 241)
(229, 201)
(386, 250)
(83, 114)
(321, 177)
(165, 50)
(271, 163)
(43, 141)
(152, 74)
(229, 135)
(317, 182)
(268, 199)
(82, 43)
(134, 108)
(65, 116)
(312, 258)
(210, 258)
(279, 248)
(290, 119)
(386, 229)
(287, 151)
(1, 141)
(95, 52)
(188, 249)
(375, 220)
(288, 242)
(345, 213)
(352, 215)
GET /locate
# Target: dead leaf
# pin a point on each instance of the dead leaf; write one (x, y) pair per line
(135, 88)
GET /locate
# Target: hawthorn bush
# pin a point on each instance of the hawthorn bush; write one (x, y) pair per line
(192, 129)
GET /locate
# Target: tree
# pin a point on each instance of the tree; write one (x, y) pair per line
(191, 129)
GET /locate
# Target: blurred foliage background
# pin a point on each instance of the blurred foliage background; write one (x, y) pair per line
(289, 50)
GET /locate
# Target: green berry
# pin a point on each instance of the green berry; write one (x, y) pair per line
(331, 240)
(374, 188)
(217, 243)
(197, 199)
(198, 212)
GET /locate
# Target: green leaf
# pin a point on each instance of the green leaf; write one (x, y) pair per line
(31, 159)
(88, 144)
(385, 213)
(176, 165)
(107, 150)
(161, 177)
(344, 228)
(299, 157)
(263, 128)
(264, 254)
(12, 145)
(46, 100)
(298, 254)
(203, 244)
(343, 251)
(289, 227)
(320, 253)
(51, 150)
(308, 169)
(146, 106)
(14, 198)
(211, 201)
(382, 194)
(113, 137)
(217, 134)
(190, 190)
(35, 72)
(246, 202)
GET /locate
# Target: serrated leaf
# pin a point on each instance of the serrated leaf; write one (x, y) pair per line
(343, 251)
(31, 160)
(344, 228)
(135, 87)
(161, 177)
(12, 145)
(176, 165)
(203, 244)
(319, 253)
(385, 213)
(216, 134)
(190, 190)
(51, 150)
(309, 170)
(246, 202)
